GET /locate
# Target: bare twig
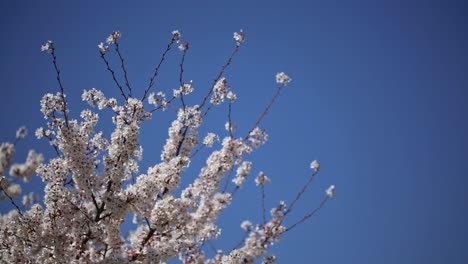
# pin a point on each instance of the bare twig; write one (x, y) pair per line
(211, 246)
(229, 119)
(241, 241)
(122, 64)
(265, 111)
(113, 75)
(11, 199)
(307, 216)
(299, 194)
(156, 70)
(263, 204)
(181, 73)
(228, 179)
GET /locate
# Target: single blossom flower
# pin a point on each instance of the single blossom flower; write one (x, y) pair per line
(176, 35)
(113, 37)
(21, 132)
(48, 46)
(239, 37)
(331, 191)
(183, 46)
(103, 48)
(315, 165)
(282, 78)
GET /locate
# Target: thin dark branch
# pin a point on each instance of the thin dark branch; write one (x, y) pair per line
(265, 111)
(211, 246)
(241, 241)
(197, 150)
(148, 236)
(122, 65)
(181, 74)
(220, 74)
(147, 222)
(179, 147)
(62, 90)
(299, 194)
(234, 191)
(11, 199)
(228, 179)
(307, 216)
(113, 76)
(99, 209)
(263, 204)
(81, 210)
(168, 103)
(52, 144)
(156, 70)
(229, 119)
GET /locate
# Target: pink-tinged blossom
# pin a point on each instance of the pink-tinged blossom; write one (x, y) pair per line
(220, 91)
(185, 89)
(13, 190)
(257, 137)
(315, 165)
(331, 191)
(262, 179)
(51, 104)
(158, 99)
(26, 170)
(6, 153)
(246, 225)
(209, 139)
(95, 181)
(270, 259)
(48, 46)
(113, 37)
(239, 37)
(242, 171)
(230, 127)
(27, 200)
(21, 132)
(183, 46)
(282, 78)
(103, 49)
(237, 256)
(176, 35)
(94, 98)
(231, 96)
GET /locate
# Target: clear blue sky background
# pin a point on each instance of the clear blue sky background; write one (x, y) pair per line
(378, 96)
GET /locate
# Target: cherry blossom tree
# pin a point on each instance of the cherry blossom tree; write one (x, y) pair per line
(94, 182)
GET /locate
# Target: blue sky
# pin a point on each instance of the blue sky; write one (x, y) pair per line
(378, 96)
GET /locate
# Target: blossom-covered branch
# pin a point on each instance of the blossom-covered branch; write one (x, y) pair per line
(94, 182)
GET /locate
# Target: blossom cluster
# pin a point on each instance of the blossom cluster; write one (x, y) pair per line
(94, 182)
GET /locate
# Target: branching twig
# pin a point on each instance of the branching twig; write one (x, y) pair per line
(307, 216)
(113, 76)
(299, 194)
